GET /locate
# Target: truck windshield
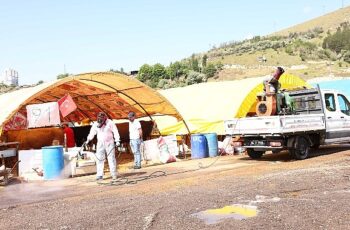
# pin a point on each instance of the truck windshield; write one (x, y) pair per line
(344, 104)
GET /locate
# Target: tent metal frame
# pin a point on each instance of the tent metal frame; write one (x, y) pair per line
(137, 103)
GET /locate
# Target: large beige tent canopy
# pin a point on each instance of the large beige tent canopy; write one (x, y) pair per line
(113, 93)
(205, 106)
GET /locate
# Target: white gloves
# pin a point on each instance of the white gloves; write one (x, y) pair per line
(117, 143)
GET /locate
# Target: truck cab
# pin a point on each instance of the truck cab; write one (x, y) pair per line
(337, 115)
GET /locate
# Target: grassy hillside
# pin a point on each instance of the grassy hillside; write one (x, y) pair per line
(327, 22)
(9, 88)
(298, 48)
(4, 88)
(317, 48)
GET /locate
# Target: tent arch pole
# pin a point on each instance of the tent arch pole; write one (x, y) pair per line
(189, 132)
(118, 91)
(87, 99)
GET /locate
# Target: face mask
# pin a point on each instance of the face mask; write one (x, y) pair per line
(101, 121)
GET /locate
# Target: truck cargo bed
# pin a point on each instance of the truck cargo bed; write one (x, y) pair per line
(284, 124)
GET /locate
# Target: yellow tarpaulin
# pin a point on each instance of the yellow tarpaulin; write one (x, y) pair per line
(205, 106)
(287, 81)
(194, 125)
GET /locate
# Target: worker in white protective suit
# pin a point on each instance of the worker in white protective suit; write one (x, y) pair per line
(105, 130)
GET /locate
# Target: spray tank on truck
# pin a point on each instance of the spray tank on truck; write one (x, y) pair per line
(274, 101)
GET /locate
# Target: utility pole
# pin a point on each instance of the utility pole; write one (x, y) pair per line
(64, 68)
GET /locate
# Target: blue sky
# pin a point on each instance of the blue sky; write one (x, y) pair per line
(41, 39)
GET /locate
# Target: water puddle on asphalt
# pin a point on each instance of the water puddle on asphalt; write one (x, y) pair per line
(236, 211)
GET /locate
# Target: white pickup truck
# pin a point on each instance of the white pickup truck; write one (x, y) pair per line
(319, 117)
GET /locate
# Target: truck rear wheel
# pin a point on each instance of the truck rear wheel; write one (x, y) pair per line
(301, 148)
(254, 154)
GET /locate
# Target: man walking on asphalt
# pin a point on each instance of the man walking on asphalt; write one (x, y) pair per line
(135, 133)
(105, 130)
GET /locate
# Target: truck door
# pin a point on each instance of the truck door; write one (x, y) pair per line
(344, 107)
(334, 122)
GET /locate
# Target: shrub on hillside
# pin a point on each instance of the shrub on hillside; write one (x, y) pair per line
(346, 57)
(162, 83)
(276, 38)
(195, 77)
(313, 33)
(339, 40)
(210, 70)
(293, 35)
(60, 76)
(289, 50)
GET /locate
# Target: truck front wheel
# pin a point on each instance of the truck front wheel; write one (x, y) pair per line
(254, 154)
(301, 148)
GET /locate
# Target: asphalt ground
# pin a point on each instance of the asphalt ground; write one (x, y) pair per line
(227, 192)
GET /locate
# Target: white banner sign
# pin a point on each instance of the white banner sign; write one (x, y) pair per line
(41, 115)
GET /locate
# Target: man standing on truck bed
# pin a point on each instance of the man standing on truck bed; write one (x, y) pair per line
(271, 85)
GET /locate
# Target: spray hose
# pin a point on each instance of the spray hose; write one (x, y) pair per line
(109, 152)
(160, 173)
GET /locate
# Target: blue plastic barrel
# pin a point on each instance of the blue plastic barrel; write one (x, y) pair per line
(199, 146)
(53, 162)
(212, 139)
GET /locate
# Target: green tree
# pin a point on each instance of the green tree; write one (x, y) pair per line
(338, 41)
(159, 72)
(145, 73)
(176, 69)
(204, 60)
(40, 82)
(62, 75)
(194, 63)
(210, 70)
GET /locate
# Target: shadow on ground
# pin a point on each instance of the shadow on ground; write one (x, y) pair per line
(285, 157)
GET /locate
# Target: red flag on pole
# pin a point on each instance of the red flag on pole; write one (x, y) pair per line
(66, 105)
